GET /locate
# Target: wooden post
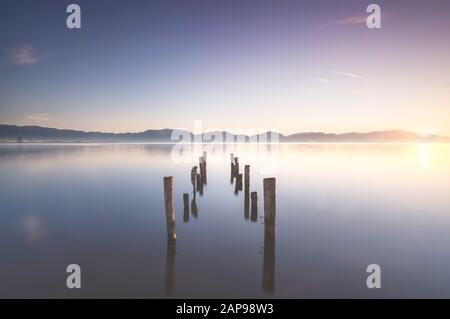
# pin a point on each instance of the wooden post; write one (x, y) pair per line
(236, 186)
(247, 179)
(239, 182)
(186, 207)
(169, 206)
(246, 207)
(269, 199)
(203, 172)
(199, 185)
(236, 166)
(232, 173)
(205, 156)
(194, 177)
(268, 281)
(254, 214)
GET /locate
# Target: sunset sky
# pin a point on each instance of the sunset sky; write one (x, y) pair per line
(289, 65)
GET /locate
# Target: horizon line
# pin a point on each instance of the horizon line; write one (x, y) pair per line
(225, 131)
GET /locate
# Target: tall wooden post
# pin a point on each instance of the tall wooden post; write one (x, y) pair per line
(269, 198)
(254, 214)
(186, 207)
(268, 281)
(169, 206)
(247, 179)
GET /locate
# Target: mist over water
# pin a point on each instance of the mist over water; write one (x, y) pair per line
(340, 207)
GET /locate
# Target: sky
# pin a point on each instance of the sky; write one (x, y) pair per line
(291, 66)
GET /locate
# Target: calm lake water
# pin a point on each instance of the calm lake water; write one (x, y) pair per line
(339, 209)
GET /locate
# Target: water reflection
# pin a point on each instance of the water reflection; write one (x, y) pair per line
(342, 207)
(170, 267)
(194, 208)
(268, 280)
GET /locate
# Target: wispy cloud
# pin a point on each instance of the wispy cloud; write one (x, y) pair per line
(24, 55)
(39, 117)
(351, 75)
(322, 81)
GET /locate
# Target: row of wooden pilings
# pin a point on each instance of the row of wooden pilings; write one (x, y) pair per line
(198, 180)
(269, 187)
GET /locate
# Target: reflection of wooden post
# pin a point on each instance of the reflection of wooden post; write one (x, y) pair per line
(254, 215)
(269, 198)
(268, 282)
(194, 208)
(169, 205)
(186, 207)
(170, 267)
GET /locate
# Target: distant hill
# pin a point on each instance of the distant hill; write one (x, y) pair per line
(11, 133)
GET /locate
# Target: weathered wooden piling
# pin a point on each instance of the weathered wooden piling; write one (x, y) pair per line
(194, 177)
(247, 179)
(269, 198)
(186, 207)
(169, 206)
(199, 184)
(268, 281)
(203, 173)
(246, 207)
(254, 208)
(236, 166)
(232, 173)
(239, 182)
(247, 191)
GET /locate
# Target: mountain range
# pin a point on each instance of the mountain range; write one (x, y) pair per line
(14, 133)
